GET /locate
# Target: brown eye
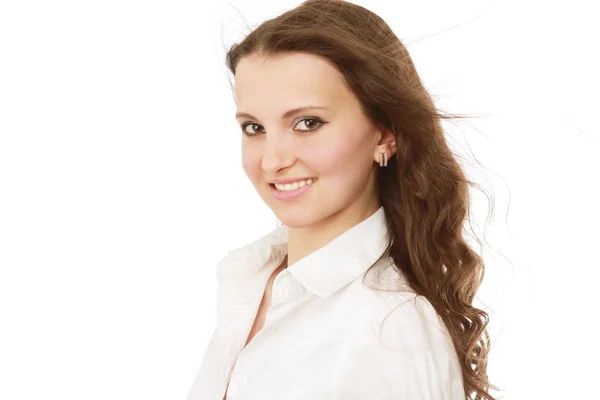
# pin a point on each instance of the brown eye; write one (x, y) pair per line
(315, 121)
(249, 124)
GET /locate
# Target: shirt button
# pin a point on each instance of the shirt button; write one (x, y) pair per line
(243, 380)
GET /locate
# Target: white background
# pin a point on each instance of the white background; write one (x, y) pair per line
(121, 184)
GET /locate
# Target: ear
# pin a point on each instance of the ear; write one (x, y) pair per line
(386, 144)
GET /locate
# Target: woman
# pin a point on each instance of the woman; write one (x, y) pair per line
(365, 291)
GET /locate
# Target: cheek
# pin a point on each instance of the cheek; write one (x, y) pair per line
(330, 159)
(344, 165)
(251, 165)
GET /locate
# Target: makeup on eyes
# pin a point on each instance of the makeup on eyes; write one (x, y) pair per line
(319, 122)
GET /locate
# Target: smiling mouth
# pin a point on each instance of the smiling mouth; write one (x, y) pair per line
(289, 195)
(291, 190)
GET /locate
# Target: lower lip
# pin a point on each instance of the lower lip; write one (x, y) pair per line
(290, 194)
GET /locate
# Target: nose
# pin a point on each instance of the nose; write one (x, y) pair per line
(277, 154)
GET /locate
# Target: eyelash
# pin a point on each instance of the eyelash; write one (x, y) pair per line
(319, 121)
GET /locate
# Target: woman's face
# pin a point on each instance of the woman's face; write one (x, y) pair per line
(341, 152)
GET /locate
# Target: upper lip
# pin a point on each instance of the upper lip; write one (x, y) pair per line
(281, 181)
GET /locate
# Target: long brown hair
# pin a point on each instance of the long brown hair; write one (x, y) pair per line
(423, 190)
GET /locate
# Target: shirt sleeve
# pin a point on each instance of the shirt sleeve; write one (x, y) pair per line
(399, 351)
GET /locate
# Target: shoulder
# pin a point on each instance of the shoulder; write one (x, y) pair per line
(397, 315)
(409, 322)
(399, 348)
(407, 355)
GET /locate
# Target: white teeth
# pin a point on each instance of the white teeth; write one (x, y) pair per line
(295, 185)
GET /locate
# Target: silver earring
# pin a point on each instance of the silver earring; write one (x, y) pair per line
(383, 159)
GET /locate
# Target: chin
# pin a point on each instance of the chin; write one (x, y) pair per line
(296, 218)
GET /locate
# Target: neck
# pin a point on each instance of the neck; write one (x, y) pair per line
(307, 239)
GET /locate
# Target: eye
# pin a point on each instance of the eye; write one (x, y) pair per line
(249, 124)
(315, 121)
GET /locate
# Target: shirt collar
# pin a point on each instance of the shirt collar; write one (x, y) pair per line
(325, 270)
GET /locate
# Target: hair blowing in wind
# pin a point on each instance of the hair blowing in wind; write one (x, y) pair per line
(424, 190)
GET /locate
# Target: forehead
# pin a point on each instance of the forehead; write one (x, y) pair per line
(286, 80)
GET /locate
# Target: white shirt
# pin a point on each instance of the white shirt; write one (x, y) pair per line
(323, 333)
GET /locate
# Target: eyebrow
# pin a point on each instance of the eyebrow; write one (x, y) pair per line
(287, 114)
